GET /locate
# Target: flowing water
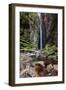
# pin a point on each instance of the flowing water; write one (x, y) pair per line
(40, 30)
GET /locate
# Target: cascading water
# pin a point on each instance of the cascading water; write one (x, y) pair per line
(40, 30)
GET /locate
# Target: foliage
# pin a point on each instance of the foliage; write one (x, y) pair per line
(25, 40)
(28, 28)
(29, 31)
(50, 51)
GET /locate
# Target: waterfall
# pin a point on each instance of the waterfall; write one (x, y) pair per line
(40, 30)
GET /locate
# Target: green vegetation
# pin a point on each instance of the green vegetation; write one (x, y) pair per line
(50, 51)
(29, 31)
(29, 25)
